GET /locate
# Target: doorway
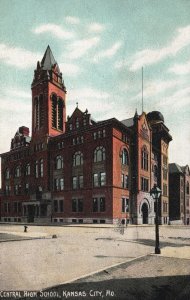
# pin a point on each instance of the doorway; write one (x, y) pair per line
(31, 213)
(144, 213)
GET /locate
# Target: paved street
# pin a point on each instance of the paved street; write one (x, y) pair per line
(80, 251)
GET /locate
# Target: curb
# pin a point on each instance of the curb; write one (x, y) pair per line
(97, 271)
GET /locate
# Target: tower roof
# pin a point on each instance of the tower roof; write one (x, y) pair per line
(48, 59)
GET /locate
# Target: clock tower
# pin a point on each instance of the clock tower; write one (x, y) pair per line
(48, 99)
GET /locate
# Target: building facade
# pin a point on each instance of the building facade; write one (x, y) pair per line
(179, 179)
(77, 170)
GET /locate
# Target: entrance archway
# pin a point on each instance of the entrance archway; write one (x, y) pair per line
(144, 213)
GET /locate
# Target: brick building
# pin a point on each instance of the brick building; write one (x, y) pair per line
(77, 170)
(179, 179)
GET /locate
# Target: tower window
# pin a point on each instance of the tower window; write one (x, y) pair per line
(57, 112)
(38, 111)
(60, 114)
(54, 111)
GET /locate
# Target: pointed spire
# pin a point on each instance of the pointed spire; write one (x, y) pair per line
(136, 114)
(48, 59)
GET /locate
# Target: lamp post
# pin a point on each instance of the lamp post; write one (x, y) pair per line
(155, 193)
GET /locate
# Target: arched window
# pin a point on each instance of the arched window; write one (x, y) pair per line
(78, 159)
(7, 173)
(17, 171)
(60, 115)
(59, 162)
(57, 112)
(54, 111)
(144, 158)
(38, 111)
(125, 157)
(99, 154)
(27, 169)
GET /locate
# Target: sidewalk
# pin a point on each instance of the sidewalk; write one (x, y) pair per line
(163, 277)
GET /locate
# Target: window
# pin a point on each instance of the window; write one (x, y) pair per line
(165, 174)
(102, 204)
(77, 205)
(99, 179)
(125, 157)
(144, 159)
(36, 169)
(95, 205)
(60, 115)
(59, 184)
(144, 184)
(125, 205)
(7, 207)
(165, 207)
(18, 171)
(27, 170)
(55, 205)
(124, 181)
(41, 168)
(59, 162)
(7, 190)
(77, 123)
(78, 159)
(61, 205)
(60, 145)
(54, 111)
(187, 189)
(17, 189)
(77, 182)
(58, 205)
(7, 173)
(98, 204)
(38, 112)
(81, 181)
(99, 154)
(95, 180)
(165, 161)
(74, 182)
(102, 179)
(70, 126)
(165, 188)
(99, 134)
(27, 188)
(57, 112)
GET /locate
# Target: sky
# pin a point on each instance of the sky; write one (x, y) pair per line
(101, 47)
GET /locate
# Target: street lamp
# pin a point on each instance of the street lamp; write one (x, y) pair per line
(155, 193)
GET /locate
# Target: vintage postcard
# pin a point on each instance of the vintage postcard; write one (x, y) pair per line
(95, 149)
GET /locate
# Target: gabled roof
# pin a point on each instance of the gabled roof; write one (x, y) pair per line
(128, 122)
(48, 59)
(175, 168)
